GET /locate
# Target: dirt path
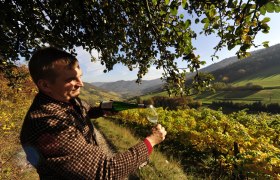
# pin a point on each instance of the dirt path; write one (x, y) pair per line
(103, 143)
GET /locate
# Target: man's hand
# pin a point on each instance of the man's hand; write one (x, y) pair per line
(157, 136)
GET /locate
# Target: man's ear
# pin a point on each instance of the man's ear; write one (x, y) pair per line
(44, 85)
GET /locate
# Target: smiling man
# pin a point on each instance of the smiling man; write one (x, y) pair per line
(57, 135)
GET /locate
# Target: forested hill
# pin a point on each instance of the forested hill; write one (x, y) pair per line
(131, 88)
(261, 64)
(93, 94)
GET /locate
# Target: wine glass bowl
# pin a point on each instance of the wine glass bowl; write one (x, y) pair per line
(151, 114)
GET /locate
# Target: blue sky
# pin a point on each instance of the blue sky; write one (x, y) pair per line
(93, 71)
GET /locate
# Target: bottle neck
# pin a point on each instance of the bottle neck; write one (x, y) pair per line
(118, 106)
(106, 105)
(142, 106)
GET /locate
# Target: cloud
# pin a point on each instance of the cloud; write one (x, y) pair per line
(93, 71)
(90, 69)
(153, 73)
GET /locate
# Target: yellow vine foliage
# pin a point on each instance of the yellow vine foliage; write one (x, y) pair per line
(239, 142)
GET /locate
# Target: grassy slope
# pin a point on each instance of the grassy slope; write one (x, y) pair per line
(160, 167)
(266, 96)
(12, 159)
(94, 94)
(268, 78)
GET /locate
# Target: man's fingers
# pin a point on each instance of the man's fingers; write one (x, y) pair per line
(158, 126)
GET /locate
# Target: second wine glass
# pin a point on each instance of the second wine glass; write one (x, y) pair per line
(151, 114)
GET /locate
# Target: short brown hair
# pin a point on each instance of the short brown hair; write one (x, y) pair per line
(41, 64)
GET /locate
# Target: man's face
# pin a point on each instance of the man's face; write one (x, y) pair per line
(67, 84)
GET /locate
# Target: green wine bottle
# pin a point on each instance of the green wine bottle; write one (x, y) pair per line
(119, 106)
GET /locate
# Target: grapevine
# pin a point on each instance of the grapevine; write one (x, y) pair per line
(237, 144)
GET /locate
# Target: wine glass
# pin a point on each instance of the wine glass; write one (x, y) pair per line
(151, 114)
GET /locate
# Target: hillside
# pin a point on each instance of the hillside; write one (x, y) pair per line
(215, 66)
(93, 94)
(130, 88)
(262, 68)
(260, 65)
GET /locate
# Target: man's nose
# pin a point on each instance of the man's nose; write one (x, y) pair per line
(80, 82)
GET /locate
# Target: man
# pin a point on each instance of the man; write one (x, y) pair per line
(57, 135)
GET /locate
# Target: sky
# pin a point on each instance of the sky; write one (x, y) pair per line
(93, 71)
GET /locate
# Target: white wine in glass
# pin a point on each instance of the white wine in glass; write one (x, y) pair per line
(151, 114)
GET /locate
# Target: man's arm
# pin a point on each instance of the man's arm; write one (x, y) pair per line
(69, 155)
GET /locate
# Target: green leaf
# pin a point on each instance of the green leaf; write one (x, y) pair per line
(173, 11)
(196, 20)
(230, 28)
(231, 46)
(270, 7)
(162, 12)
(216, 26)
(262, 10)
(154, 2)
(181, 16)
(265, 44)
(205, 20)
(266, 19)
(212, 13)
(187, 23)
(166, 2)
(206, 25)
(184, 3)
(277, 9)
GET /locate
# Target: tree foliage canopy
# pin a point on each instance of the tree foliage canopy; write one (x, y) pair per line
(138, 34)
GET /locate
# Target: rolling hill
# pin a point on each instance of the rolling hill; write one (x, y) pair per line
(93, 94)
(130, 88)
(261, 68)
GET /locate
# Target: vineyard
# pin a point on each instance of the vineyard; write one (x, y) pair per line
(238, 145)
(206, 142)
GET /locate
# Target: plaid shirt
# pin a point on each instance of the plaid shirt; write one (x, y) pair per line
(58, 139)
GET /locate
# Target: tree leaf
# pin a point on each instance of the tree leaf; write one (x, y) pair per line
(182, 16)
(174, 11)
(265, 44)
(263, 10)
(266, 19)
(205, 20)
(166, 2)
(187, 23)
(154, 2)
(184, 2)
(212, 13)
(270, 7)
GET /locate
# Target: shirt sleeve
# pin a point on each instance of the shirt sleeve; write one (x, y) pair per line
(91, 112)
(67, 153)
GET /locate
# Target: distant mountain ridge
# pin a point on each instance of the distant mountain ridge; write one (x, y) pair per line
(231, 68)
(251, 67)
(130, 88)
(93, 94)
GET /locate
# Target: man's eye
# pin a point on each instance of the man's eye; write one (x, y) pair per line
(70, 79)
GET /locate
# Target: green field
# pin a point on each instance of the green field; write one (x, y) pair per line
(94, 95)
(267, 78)
(265, 96)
